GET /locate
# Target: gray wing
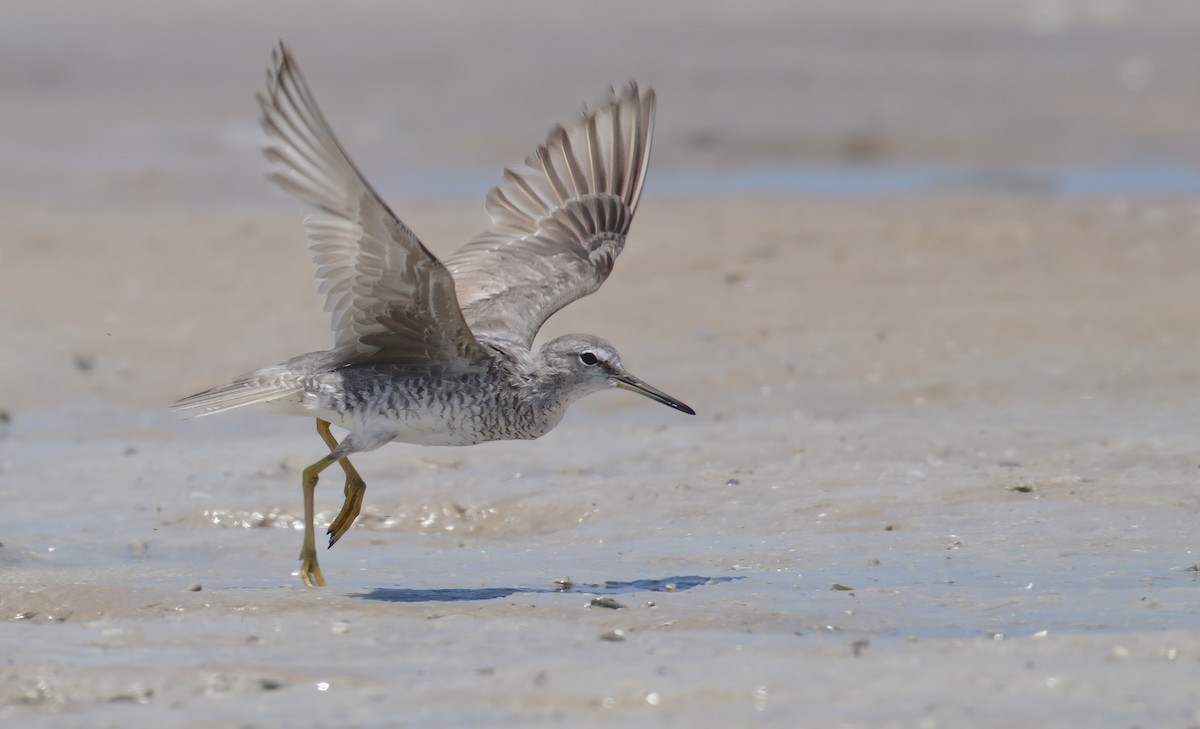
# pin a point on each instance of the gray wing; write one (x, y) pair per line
(558, 221)
(390, 299)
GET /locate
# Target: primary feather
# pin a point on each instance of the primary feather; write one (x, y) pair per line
(559, 221)
(390, 299)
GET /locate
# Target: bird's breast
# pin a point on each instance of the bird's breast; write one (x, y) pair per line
(465, 409)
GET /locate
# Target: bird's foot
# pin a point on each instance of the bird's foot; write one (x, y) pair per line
(355, 488)
(310, 571)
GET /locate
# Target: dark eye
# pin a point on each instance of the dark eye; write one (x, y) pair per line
(588, 358)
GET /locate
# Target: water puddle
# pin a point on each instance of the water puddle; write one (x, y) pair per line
(865, 181)
(875, 181)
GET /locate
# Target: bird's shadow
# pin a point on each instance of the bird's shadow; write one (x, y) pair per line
(609, 587)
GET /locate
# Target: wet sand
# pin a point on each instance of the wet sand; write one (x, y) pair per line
(944, 471)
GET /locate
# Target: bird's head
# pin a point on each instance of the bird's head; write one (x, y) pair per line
(587, 364)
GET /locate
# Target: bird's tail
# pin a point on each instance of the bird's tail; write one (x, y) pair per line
(252, 388)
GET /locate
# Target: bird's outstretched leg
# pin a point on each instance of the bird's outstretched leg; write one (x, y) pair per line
(354, 489)
(310, 571)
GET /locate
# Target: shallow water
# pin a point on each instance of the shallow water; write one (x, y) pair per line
(1135, 180)
(856, 181)
(861, 181)
(486, 523)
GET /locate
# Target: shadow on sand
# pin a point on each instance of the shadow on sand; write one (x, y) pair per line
(666, 584)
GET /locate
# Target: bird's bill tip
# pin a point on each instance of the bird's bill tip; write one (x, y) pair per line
(633, 384)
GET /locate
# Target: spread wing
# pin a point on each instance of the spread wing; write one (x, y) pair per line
(389, 297)
(558, 221)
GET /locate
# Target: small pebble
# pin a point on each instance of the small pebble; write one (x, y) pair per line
(605, 602)
(615, 635)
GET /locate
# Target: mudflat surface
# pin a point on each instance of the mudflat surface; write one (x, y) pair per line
(944, 469)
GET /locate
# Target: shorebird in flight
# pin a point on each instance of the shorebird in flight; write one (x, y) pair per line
(440, 352)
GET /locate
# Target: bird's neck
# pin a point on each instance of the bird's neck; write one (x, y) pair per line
(545, 390)
(538, 394)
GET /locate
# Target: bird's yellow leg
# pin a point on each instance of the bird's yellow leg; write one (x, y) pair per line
(354, 489)
(310, 571)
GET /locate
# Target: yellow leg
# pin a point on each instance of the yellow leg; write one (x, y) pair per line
(310, 571)
(354, 489)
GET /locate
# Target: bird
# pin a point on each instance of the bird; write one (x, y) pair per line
(440, 352)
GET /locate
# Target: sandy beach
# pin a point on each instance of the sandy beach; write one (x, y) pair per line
(929, 273)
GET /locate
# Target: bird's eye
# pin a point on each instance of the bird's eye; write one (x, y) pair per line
(588, 358)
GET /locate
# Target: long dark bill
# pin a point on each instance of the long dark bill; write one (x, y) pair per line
(633, 384)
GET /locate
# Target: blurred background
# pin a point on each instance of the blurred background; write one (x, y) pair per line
(132, 101)
(141, 229)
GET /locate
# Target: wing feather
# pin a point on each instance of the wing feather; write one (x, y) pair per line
(389, 298)
(559, 221)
